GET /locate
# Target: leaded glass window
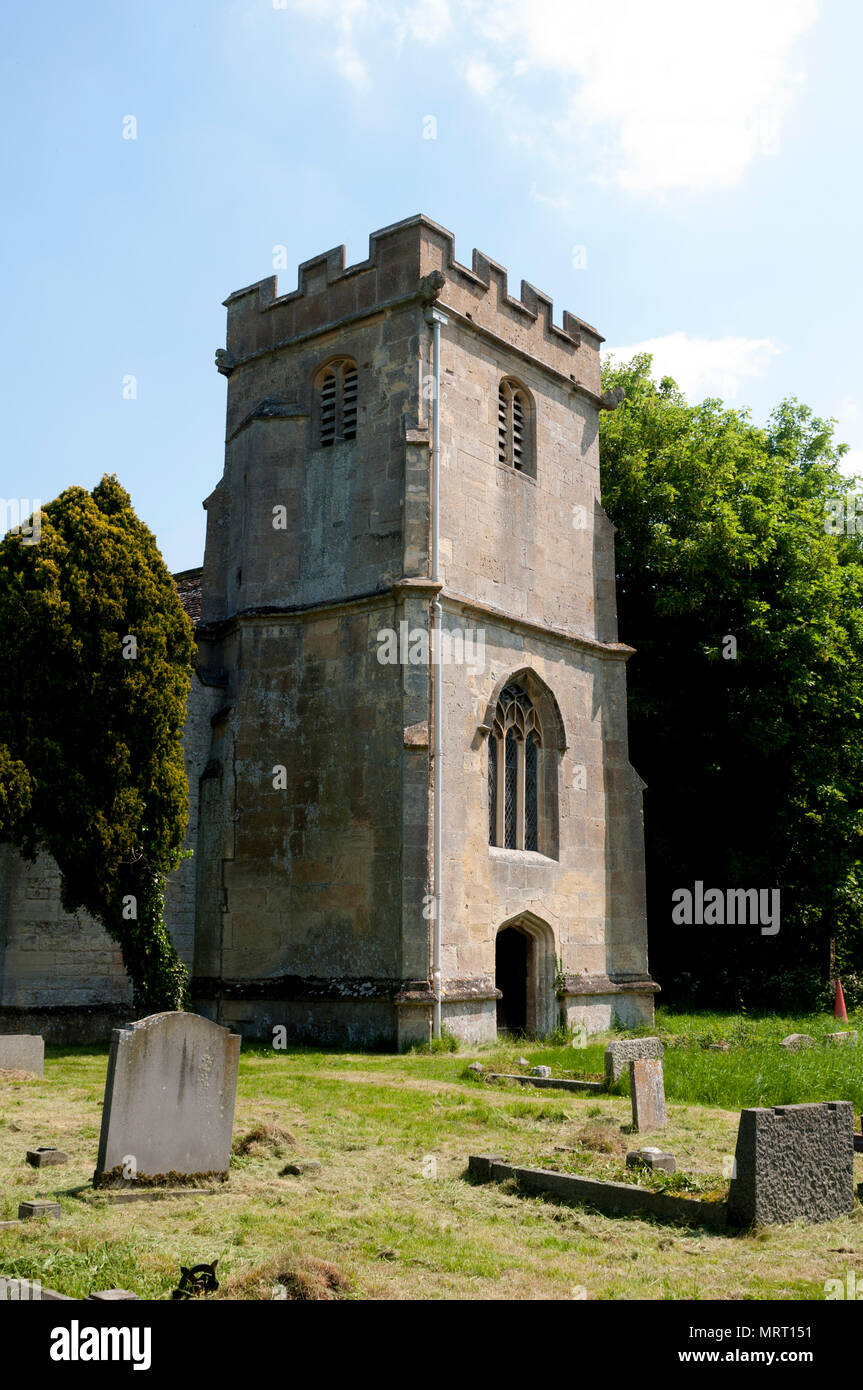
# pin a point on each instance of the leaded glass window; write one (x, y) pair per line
(513, 756)
(511, 790)
(531, 817)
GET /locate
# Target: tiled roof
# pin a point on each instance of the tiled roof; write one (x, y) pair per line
(188, 584)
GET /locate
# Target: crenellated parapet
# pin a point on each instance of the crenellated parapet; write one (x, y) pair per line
(413, 260)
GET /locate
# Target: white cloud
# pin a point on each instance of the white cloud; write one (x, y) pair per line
(704, 366)
(850, 431)
(481, 77)
(428, 22)
(546, 199)
(662, 94)
(690, 93)
(851, 464)
(342, 15)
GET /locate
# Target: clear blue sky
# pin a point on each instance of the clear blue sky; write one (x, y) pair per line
(705, 155)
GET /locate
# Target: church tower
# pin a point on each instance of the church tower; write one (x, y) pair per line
(317, 905)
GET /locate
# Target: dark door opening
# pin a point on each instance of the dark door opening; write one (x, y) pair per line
(510, 977)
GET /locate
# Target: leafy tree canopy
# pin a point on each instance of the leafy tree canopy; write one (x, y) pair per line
(93, 687)
(753, 760)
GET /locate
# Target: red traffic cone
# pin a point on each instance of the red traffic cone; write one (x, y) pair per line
(839, 1010)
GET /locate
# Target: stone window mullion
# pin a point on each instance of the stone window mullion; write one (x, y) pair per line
(519, 797)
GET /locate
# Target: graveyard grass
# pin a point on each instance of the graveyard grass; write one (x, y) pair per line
(374, 1223)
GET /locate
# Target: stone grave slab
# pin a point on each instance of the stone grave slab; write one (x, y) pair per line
(36, 1211)
(648, 1093)
(654, 1159)
(46, 1158)
(170, 1093)
(621, 1052)
(22, 1052)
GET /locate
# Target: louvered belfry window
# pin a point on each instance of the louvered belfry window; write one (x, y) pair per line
(514, 746)
(513, 427)
(338, 400)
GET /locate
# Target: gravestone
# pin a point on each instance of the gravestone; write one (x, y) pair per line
(46, 1158)
(793, 1162)
(39, 1211)
(648, 1093)
(654, 1159)
(796, 1041)
(22, 1052)
(169, 1102)
(621, 1052)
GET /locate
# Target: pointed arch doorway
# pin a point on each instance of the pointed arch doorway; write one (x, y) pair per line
(524, 974)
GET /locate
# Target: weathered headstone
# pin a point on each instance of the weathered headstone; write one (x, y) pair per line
(838, 1039)
(648, 1093)
(621, 1052)
(793, 1162)
(22, 1052)
(541, 1071)
(169, 1102)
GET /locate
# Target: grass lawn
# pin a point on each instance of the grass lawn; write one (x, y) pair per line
(380, 1221)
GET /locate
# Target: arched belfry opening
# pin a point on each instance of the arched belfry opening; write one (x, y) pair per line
(524, 975)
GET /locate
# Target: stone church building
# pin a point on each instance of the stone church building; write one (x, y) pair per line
(311, 899)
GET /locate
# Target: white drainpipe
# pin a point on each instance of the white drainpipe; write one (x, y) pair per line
(436, 318)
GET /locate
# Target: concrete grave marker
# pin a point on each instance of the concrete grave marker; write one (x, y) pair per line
(46, 1158)
(22, 1052)
(653, 1159)
(39, 1211)
(793, 1162)
(648, 1093)
(620, 1053)
(169, 1102)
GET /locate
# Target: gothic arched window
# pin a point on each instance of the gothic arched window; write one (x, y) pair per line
(337, 402)
(514, 745)
(515, 427)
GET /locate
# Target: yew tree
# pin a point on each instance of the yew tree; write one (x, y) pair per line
(97, 654)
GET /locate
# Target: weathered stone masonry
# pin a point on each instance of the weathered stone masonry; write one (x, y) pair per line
(311, 899)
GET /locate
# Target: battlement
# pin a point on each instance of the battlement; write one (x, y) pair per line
(401, 267)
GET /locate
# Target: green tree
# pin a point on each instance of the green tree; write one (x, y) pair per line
(753, 761)
(93, 686)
